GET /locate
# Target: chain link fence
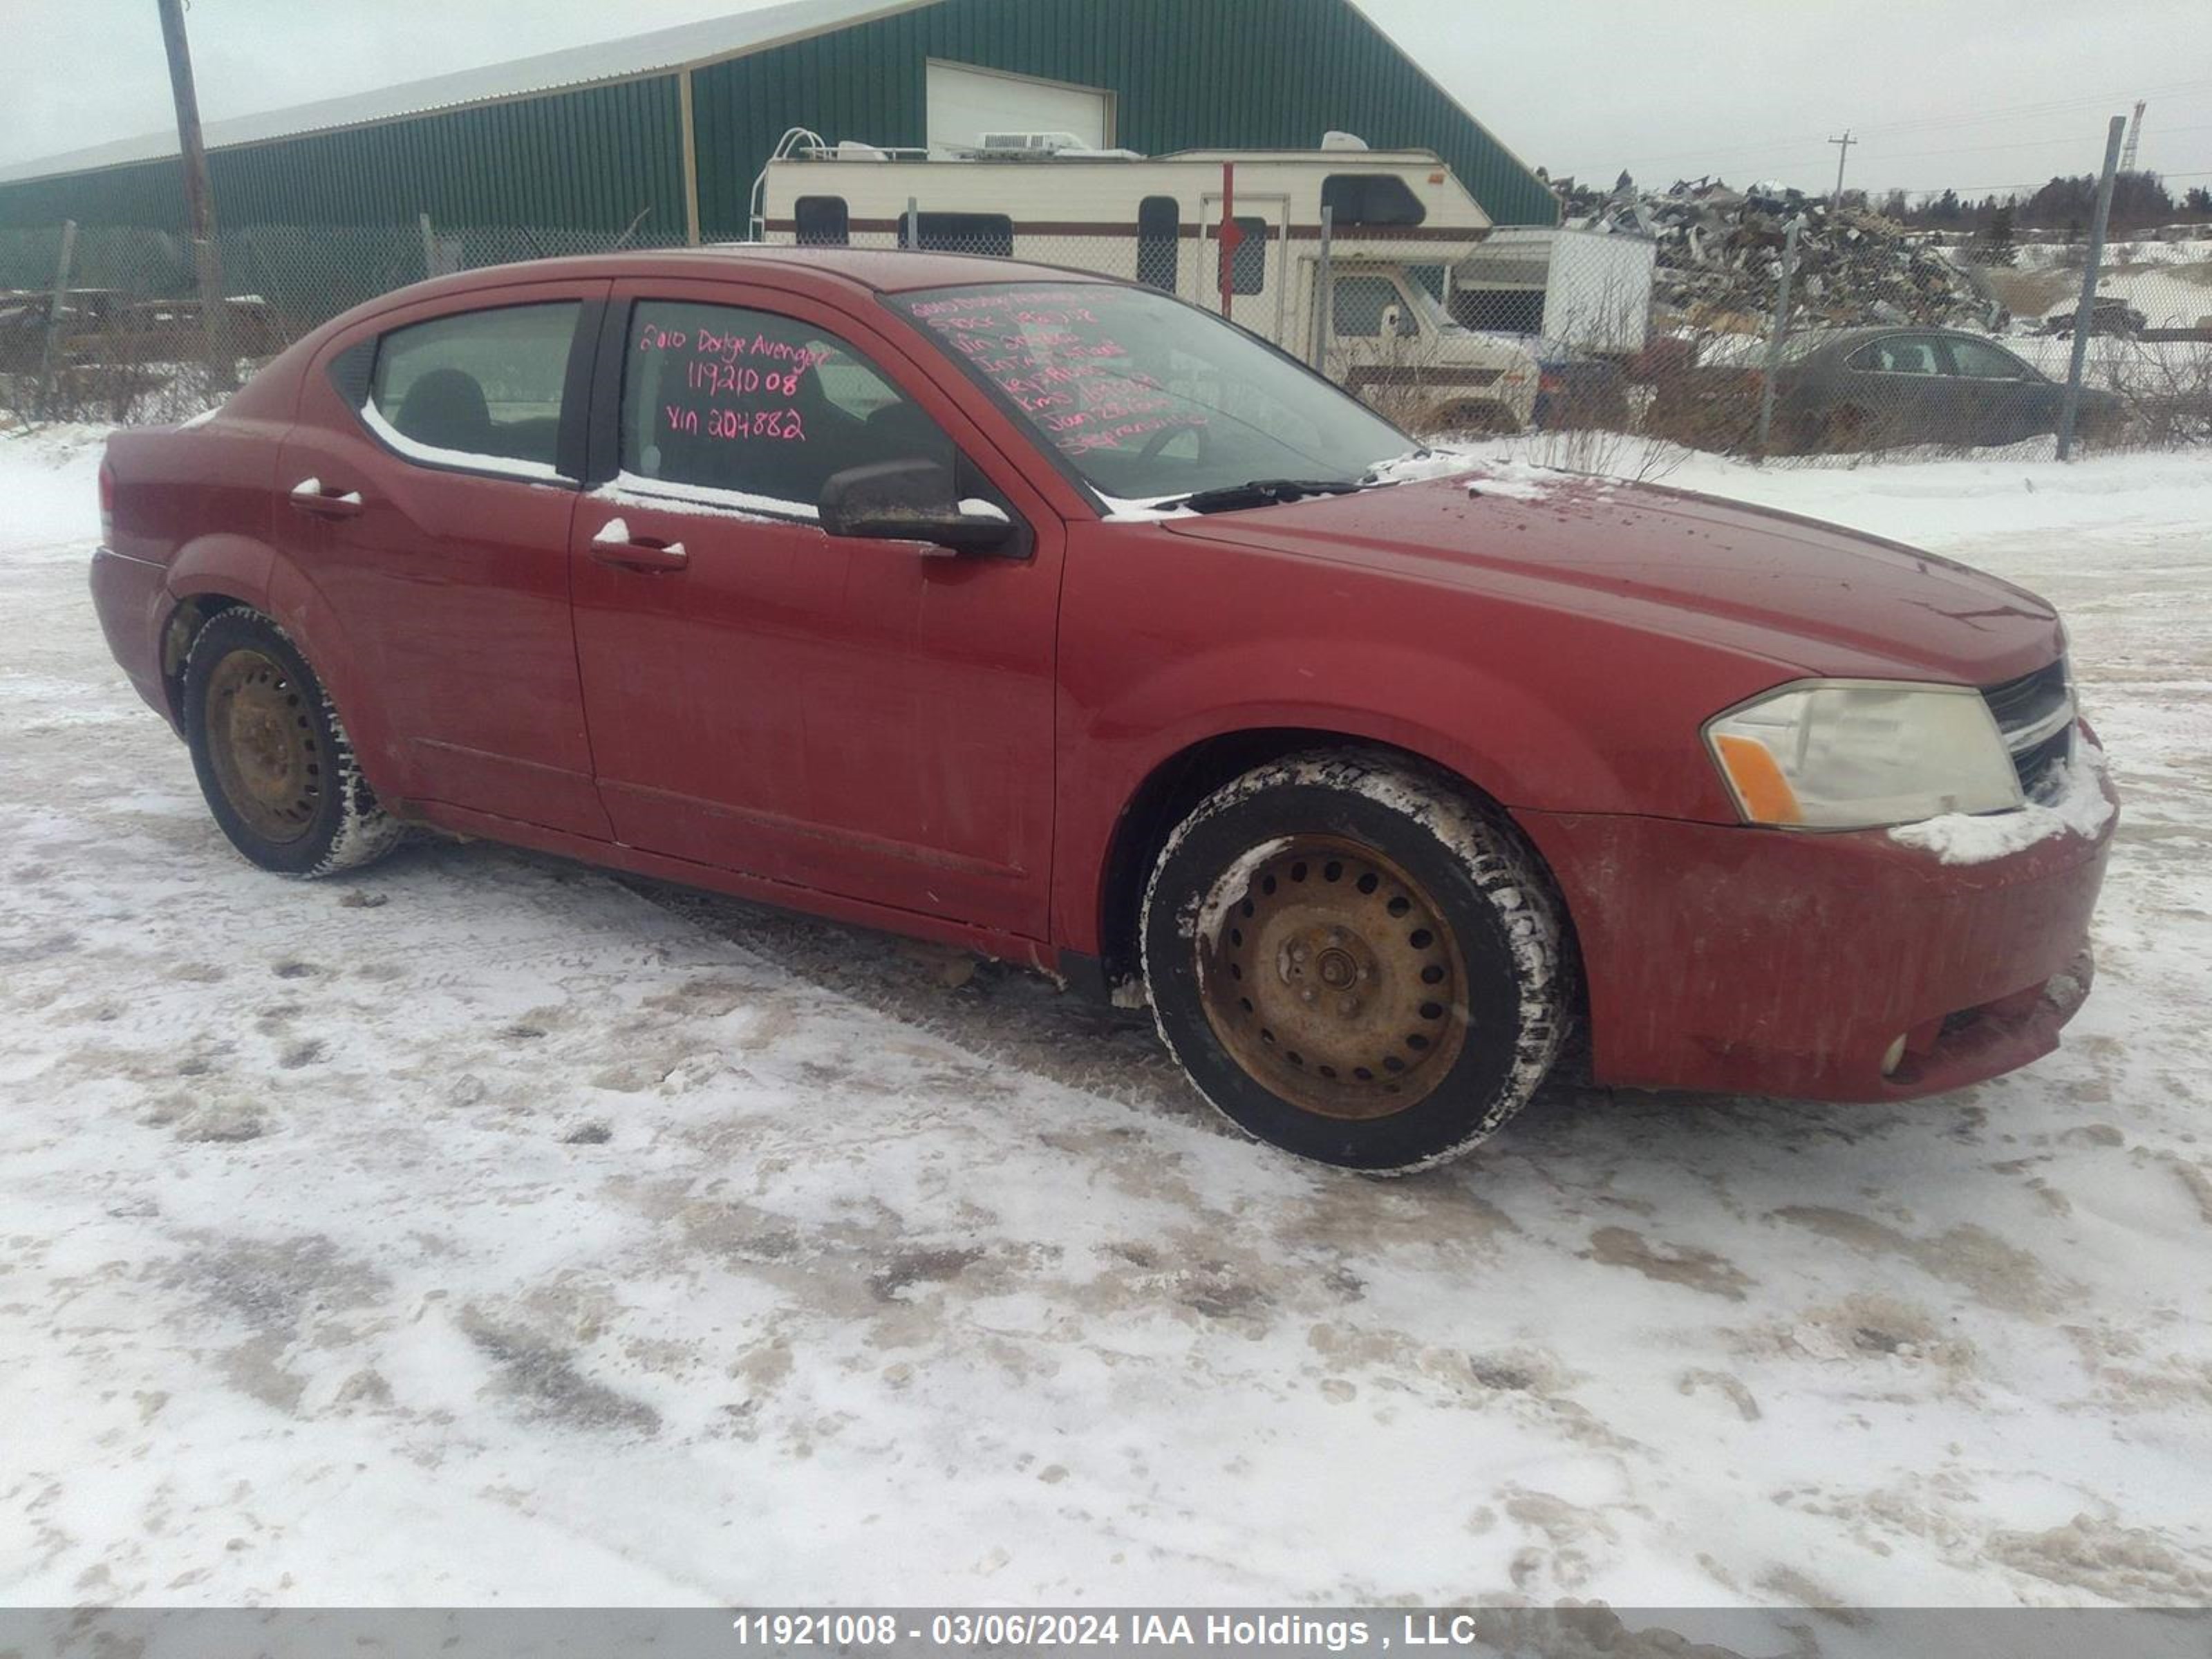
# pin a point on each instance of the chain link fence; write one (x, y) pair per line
(105, 322)
(1743, 323)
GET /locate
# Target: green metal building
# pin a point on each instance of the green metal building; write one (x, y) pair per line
(667, 131)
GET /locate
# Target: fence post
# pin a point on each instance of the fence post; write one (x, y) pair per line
(429, 246)
(912, 223)
(2087, 309)
(1774, 339)
(52, 348)
(1324, 296)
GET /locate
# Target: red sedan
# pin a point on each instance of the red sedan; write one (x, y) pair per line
(1055, 618)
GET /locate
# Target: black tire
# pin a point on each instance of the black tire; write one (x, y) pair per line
(1495, 945)
(272, 756)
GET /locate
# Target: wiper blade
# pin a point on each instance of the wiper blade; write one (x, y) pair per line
(1261, 492)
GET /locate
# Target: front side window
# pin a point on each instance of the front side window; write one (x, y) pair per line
(1362, 308)
(1978, 361)
(483, 387)
(1143, 398)
(757, 410)
(1899, 356)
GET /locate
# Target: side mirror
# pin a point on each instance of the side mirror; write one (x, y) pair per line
(915, 501)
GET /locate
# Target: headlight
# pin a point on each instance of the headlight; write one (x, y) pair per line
(1862, 755)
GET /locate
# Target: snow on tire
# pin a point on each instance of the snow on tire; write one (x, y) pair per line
(272, 756)
(1355, 962)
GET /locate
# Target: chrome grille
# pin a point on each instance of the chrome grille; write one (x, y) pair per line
(2036, 715)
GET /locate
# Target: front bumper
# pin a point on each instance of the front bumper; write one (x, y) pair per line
(1768, 962)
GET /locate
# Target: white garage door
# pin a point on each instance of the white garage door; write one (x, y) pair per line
(965, 103)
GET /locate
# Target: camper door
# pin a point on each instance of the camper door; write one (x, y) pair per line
(1260, 266)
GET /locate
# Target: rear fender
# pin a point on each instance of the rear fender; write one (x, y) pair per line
(250, 572)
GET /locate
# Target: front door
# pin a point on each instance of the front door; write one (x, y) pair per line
(867, 719)
(425, 501)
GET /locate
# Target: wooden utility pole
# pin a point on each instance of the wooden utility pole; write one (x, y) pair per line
(1842, 152)
(199, 197)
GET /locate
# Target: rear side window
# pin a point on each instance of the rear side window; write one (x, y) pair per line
(756, 410)
(1370, 198)
(480, 389)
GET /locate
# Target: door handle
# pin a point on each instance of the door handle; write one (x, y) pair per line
(308, 496)
(613, 544)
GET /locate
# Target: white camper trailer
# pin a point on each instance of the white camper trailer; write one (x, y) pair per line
(1377, 328)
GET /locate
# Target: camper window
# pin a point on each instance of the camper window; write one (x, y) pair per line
(963, 233)
(757, 409)
(821, 222)
(1370, 198)
(1159, 222)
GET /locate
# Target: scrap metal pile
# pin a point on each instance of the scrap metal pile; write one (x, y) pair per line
(1720, 255)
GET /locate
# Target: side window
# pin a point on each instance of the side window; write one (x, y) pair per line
(1370, 198)
(1978, 361)
(759, 408)
(1899, 356)
(963, 233)
(1159, 224)
(1248, 266)
(483, 386)
(1359, 305)
(821, 222)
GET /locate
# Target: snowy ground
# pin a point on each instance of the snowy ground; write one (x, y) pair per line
(483, 1229)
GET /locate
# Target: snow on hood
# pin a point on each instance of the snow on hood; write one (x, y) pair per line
(1499, 475)
(2080, 808)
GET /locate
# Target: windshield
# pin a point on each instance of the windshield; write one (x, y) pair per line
(1145, 398)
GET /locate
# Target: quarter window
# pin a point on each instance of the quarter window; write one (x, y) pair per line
(483, 387)
(757, 410)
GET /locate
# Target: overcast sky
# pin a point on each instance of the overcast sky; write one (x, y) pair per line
(1978, 94)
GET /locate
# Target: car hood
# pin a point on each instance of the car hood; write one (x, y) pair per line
(1811, 597)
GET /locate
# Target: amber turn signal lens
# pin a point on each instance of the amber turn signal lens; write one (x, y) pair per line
(1765, 793)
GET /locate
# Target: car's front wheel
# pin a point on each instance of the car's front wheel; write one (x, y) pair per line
(272, 756)
(1355, 962)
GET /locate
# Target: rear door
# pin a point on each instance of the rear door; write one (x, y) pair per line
(426, 490)
(867, 719)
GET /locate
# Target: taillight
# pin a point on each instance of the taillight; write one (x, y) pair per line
(107, 505)
(1548, 380)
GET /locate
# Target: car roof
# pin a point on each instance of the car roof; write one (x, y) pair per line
(884, 271)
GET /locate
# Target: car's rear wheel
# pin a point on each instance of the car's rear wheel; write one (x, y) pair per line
(272, 756)
(1354, 962)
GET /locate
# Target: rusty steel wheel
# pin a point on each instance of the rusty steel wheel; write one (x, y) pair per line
(1332, 975)
(1355, 960)
(273, 759)
(262, 744)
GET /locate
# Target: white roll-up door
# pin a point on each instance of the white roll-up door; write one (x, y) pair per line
(966, 103)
